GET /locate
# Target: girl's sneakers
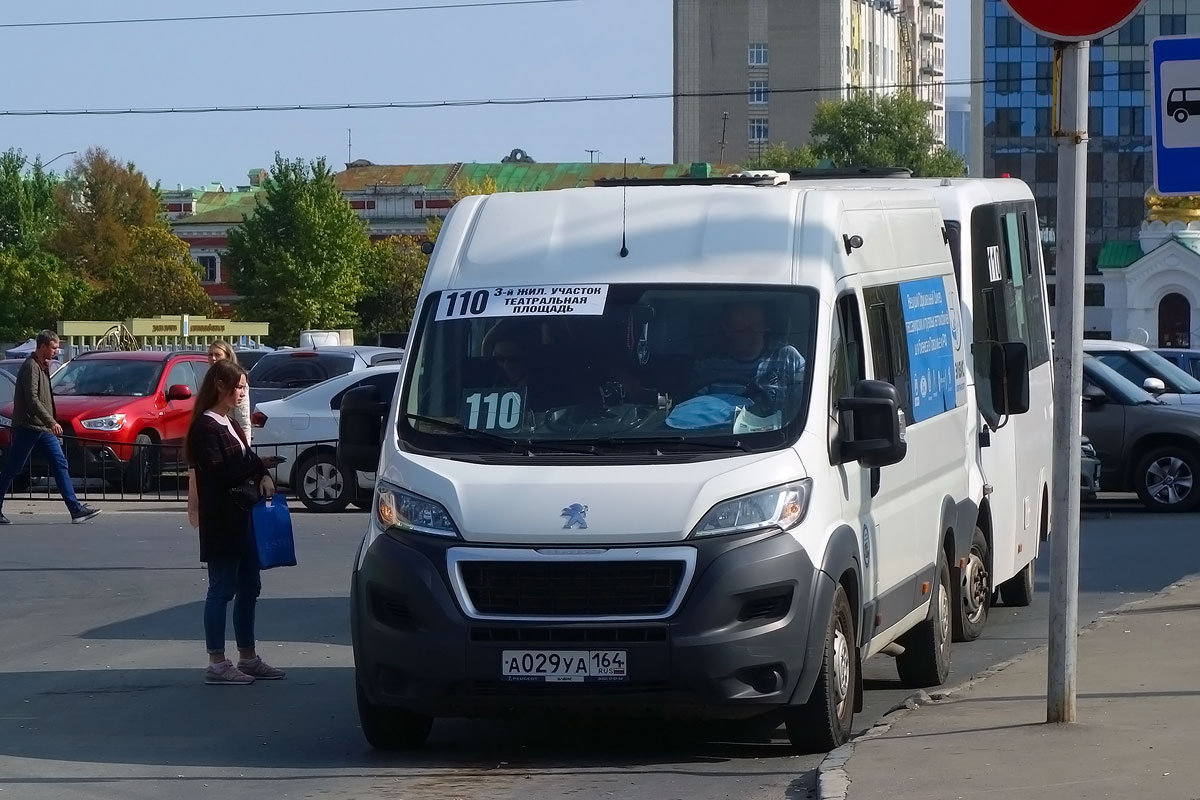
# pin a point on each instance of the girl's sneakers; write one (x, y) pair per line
(226, 674)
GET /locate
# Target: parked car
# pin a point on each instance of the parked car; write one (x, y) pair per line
(250, 356)
(1089, 469)
(304, 429)
(282, 373)
(1186, 360)
(117, 408)
(12, 366)
(1147, 369)
(1144, 445)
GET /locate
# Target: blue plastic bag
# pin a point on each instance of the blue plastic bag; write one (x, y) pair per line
(272, 523)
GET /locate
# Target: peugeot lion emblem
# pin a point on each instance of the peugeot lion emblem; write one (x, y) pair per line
(576, 515)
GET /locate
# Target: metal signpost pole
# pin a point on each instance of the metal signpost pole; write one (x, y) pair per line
(1068, 379)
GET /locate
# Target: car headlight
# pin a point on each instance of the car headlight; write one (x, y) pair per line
(5, 422)
(782, 507)
(112, 422)
(398, 510)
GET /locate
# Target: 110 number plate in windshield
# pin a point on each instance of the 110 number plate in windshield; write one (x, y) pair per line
(564, 666)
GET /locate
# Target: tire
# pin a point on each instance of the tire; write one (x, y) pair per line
(973, 594)
(387, 728)
(826, 720)
(1166, 479)
(1181, 115)
(321, 483)
(1017, 591)
(926, 658)
(142, 473)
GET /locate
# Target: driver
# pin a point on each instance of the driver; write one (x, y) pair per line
(749, 364)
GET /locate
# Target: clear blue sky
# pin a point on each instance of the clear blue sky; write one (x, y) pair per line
(574, 48)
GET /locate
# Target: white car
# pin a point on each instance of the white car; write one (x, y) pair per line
(1145, 368)
(303, 427)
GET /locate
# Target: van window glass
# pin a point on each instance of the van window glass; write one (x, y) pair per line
(680, 366)
(385, 383)
(889, 348)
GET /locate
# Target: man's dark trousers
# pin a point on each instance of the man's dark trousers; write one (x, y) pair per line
(23, 442)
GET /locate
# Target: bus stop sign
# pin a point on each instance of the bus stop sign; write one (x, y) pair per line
(1175, 69)
(1074, 20)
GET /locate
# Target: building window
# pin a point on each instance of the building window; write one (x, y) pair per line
(1045, 167)
(758, 54)
(758, 130)
(1131, 76)
(1043, 122)
(211, 267)
(1008, 122)
(1131, 167)
(1134, 32)
(1045, 77)
(1173, 24)
(1008, 77)
(1093, 294)
(1130, 211)
(1008, 32)
(758, 93)
(1131, 121)
(1096, 76)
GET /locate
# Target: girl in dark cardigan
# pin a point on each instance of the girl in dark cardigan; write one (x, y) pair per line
(222, 459)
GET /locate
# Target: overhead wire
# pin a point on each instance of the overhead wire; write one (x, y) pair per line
(280, 14)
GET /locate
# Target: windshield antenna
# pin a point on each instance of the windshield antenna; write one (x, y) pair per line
(624, 190)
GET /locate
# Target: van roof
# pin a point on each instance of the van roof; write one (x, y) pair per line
(682, 234)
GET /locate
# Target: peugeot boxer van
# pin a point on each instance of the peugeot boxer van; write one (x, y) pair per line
(691, 449)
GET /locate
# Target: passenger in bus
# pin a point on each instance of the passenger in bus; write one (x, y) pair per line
(749, 363)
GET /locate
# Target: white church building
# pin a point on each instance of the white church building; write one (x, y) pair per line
(1149, 291)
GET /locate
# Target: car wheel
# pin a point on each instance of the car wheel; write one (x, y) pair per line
(388, 728)
(974, 593)
(1166, 477)
(826, 720)
(1181, 115)
(142, 471)
(321, 484)
(926, 657)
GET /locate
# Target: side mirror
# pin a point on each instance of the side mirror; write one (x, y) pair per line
(1009, 373)
(1154, 386)
(874, 420)
(360, 428)
(179, 391)
(1094, 396)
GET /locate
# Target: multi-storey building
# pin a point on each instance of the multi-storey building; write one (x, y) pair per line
(750, 73)
(1012, 124)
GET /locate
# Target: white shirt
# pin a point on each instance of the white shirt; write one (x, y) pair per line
(228, 426)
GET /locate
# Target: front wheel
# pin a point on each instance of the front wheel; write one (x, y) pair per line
(387, 728)
(926, 657)
(142, 471)
(825, 721)
(321, 484)
(1165, 479)
(974, 593)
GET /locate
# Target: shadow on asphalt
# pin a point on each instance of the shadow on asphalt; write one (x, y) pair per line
(323, 620)
(308, 722)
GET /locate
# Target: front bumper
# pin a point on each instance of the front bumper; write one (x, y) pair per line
(737, 645)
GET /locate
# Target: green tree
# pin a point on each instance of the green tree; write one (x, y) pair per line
(158, 277)
(882, 131)
(782, 158)
(298, 261)
(35, 286)
(392, 274)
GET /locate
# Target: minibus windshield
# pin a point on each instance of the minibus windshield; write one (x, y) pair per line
(618, 368)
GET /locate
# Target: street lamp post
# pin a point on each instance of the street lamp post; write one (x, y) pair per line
(56, 158)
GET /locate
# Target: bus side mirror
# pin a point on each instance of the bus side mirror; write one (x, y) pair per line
(1009, 373)
(875, 421)
(360, 428)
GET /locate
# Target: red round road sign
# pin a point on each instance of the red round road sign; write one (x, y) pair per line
(1074, 20)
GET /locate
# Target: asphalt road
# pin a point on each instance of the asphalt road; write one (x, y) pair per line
(101, 692)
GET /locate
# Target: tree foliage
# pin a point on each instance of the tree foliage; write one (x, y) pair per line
(298, 262)
(882, 131)
(158, 277)
(392, 274)
(782, 158)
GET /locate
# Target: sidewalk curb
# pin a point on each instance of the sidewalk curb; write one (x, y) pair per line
(833, 780)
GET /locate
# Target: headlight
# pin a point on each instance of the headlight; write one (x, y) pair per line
(398, 510)
(112, 422)
(5, 422)
(782, 507)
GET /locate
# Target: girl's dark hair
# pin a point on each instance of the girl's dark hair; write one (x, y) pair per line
(222, 376)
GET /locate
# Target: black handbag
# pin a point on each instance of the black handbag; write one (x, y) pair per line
(246, 494)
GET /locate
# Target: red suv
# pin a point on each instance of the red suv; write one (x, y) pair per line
(124, 414)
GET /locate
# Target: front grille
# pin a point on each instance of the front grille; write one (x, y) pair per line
(572, 635)
(572, 589)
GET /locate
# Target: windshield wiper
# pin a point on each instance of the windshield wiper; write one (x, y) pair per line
(530, 446)
(684, 441)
